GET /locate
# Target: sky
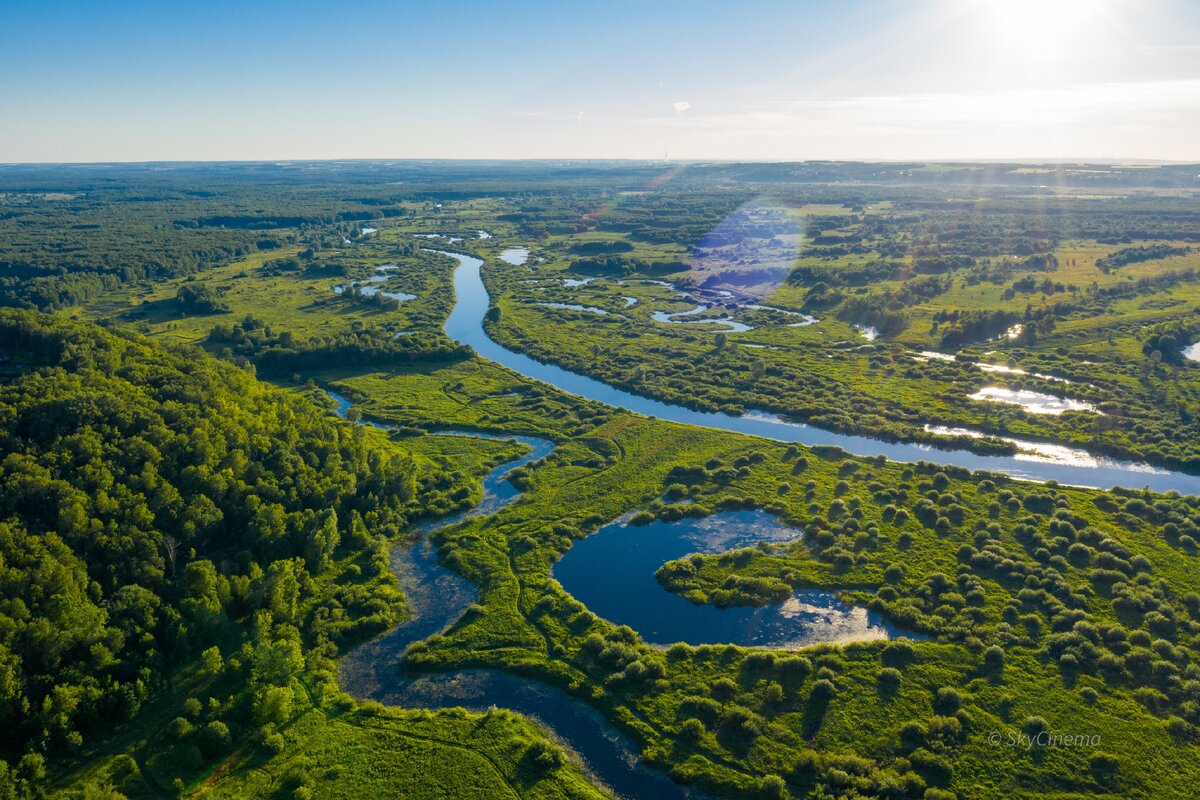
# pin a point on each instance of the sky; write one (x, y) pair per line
(652, 79)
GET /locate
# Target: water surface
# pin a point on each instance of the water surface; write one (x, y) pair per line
(465, 324)
(612, 573)
(574, 307)
(515, 255)
(732, 326)
(1033, 402)
(437, 598)
(368, 287)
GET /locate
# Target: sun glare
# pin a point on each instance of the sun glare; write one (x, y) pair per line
(1043, 28)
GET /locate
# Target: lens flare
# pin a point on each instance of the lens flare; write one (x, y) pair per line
(751, 252)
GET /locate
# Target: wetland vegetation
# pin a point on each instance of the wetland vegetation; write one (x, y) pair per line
(193, 540)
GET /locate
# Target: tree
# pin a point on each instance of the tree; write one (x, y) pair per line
(322, 541)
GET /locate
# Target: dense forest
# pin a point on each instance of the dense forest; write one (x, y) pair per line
(161, 508)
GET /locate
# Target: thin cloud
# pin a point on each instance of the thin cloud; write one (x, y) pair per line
(1101, 118)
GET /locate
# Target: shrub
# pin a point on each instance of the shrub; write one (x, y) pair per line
(1103, 765)
(947, 701)
(822, 691)
(897, 654)
(692, 730)
(1180, 729)
(912, 735)
(773, 788)
(993, 659)
(544, 755)
(724, 689)
(214, 738)
(1035, 726)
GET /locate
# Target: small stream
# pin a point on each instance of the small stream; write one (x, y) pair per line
(437, 598)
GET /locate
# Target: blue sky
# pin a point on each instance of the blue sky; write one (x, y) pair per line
(95, 81)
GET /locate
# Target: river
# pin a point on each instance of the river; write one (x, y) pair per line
(465, 325)
(436, 598)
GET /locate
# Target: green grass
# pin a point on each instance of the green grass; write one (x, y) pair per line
(340, 750)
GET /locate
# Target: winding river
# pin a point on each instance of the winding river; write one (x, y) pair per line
(437, 597)
(465, 324)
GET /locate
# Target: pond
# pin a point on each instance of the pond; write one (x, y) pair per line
(515, 255)
(732, 326)
(868, 332)
(612, 573)
(574, 307)
(806, 319)
(368, 287)
(1033, 402)
(1006, 370)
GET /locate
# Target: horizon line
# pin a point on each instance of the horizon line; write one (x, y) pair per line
(1056, 160)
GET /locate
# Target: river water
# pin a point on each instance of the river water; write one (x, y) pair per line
(437, 598)
(465, 324)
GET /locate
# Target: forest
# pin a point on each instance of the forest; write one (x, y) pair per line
(166, 512)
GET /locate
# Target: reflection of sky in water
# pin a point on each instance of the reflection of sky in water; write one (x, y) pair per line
(752, 250)
(612, 573)
(381, 275)
(733, 326)
(576, 307)
(1033, 402)
(1047, 453)
(515, 256)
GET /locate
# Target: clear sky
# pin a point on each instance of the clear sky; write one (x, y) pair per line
(773, 79)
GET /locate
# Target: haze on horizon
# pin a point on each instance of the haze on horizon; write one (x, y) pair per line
(774, 80)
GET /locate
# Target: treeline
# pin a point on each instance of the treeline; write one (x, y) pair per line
(1167, 341)
(282, 351)
(849, 274)
(885, 311)
(1135, 255)
(159, 507)
(92, 239)
(963, 327)
(601, 248)
(257, 222)
(28, 284)
(873, 311)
